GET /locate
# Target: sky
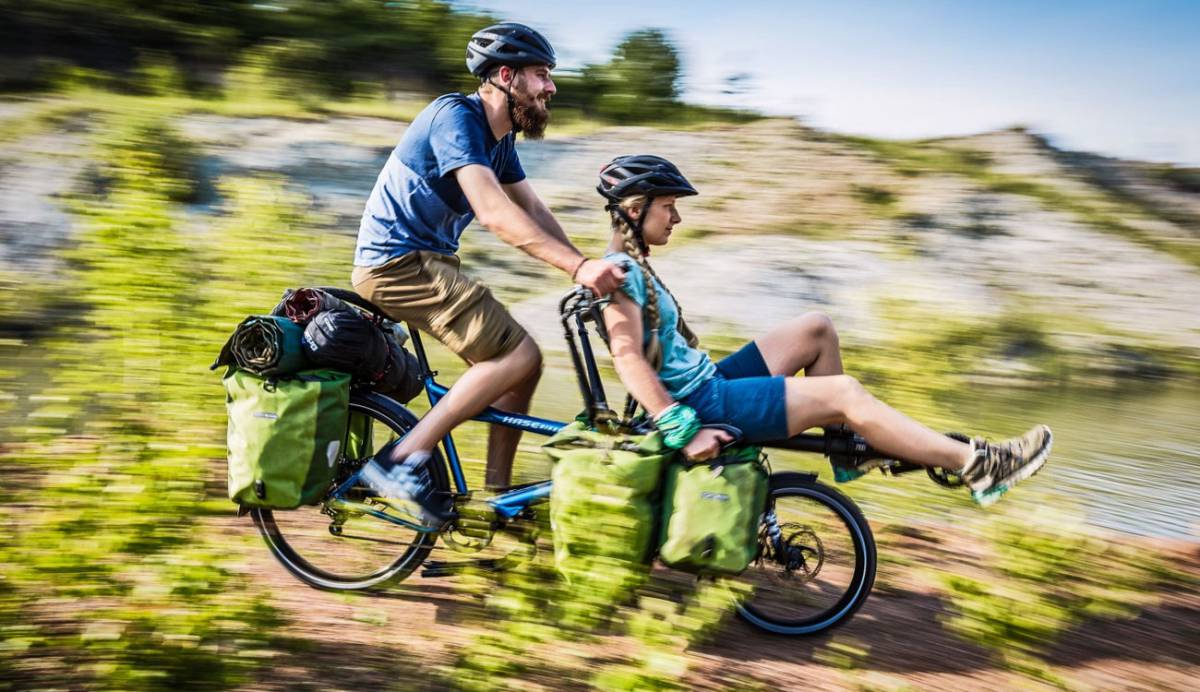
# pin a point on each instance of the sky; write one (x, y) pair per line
(1115, 78)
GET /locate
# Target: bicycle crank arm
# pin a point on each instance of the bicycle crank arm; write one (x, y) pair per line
(438, 568)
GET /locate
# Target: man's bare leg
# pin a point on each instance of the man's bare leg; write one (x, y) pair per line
(502, 441)
(482, 384)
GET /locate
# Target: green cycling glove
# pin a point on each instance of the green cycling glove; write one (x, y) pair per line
(678, 425)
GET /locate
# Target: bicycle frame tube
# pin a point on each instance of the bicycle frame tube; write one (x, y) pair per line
(526, 423)
(519, 421)
(511, 503)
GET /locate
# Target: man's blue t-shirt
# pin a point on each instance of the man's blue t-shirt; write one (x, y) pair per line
(683, 368)
(417, 203)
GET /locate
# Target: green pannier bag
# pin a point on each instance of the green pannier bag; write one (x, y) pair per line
(284, 436)
(711, 513)
(604, 501)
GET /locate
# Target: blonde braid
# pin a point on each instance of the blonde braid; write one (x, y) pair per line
(653, 351)
(632, 248)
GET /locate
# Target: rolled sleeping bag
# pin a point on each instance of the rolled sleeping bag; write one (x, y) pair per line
(265, 345)
(302, 304)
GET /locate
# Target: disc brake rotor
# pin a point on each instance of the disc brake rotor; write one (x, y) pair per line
(804, 555)
(801, 557)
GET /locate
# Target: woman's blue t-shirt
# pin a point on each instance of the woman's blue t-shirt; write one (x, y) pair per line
(684, 368)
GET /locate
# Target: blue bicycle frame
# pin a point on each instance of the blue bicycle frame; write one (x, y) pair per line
(509, 504)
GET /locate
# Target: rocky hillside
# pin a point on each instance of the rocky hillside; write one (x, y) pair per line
(1090, 261)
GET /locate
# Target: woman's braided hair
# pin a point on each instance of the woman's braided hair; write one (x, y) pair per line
(635, 248)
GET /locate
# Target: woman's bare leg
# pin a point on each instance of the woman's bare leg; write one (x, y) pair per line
(826, 397)
(808, 342)
(834, 399)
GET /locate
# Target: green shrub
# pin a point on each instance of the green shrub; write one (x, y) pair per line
(1045, 575)
(157, 74)
(109, 564)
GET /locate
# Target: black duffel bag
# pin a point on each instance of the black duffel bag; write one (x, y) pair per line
(345, 340)
(402, 378)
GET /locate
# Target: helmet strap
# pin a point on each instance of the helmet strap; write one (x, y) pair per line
(637, 227)
(511, 102)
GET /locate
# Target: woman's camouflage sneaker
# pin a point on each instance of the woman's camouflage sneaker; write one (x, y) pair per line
(998, 466)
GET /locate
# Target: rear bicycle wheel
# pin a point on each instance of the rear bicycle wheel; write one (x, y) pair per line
(816, 564)
(340, 549)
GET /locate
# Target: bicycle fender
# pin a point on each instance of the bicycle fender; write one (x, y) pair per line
(786, 479)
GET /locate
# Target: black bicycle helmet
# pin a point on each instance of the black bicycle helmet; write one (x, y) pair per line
(508, 43)
(642, 174)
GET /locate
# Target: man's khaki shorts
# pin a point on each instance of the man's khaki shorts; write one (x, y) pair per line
(428, 290)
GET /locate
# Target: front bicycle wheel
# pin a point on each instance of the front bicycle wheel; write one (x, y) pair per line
(817, 559)
(340, 548)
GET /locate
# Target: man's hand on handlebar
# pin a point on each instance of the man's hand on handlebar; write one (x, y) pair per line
(600, 276)
(707, 444)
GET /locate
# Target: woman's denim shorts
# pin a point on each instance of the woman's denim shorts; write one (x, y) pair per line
(745, 395)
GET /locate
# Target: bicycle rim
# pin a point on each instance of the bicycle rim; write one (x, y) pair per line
(347, 550)
(824, 571)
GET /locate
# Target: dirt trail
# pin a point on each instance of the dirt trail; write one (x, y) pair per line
(405, 637)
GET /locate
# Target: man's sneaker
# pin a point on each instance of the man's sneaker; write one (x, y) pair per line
(998, 466)
(408, 487)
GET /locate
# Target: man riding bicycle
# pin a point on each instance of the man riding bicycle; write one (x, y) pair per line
(456, 162)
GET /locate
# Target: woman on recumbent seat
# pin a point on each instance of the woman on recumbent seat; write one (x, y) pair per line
(756, 389)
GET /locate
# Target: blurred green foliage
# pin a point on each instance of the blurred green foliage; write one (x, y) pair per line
(336, 42)
(640, 82)
(1046, 575)
(533, 624)
(109, 560)
(310, 52)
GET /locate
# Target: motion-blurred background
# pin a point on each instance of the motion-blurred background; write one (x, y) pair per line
(168, 168)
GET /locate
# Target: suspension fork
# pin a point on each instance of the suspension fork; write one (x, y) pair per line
(774, 533)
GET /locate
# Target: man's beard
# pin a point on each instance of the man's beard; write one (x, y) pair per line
(528, 117)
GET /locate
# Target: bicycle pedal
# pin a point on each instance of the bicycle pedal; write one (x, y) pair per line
(895, 467)
(435, 568)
